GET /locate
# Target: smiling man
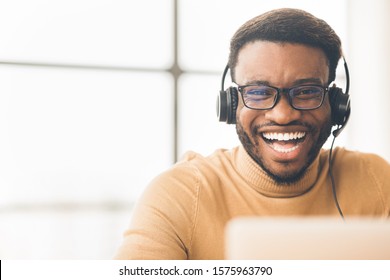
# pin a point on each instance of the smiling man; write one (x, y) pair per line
(283, 64)
(282, 139)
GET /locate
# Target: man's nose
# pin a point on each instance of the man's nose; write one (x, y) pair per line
(283, 113)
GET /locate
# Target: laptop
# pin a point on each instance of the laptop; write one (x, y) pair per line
(320, 238)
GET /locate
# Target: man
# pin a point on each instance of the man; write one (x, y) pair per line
(283, 63)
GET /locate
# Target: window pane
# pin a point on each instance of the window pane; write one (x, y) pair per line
(81, 135)
(98, 32)
(199, 129)
(204, 44)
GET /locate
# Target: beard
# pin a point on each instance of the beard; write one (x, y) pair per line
(287, 178)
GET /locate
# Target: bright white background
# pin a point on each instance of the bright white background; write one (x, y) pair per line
(87, 106)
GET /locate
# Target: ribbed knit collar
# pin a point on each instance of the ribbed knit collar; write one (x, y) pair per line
(265, 185)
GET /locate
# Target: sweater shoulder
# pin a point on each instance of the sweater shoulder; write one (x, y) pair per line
(364, 173)
(356, 158)
(185, 179)
(216, 157)
(207, 166)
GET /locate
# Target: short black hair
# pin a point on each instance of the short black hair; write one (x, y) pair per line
(288, 26)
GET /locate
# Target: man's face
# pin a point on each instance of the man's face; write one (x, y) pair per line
(304, 132)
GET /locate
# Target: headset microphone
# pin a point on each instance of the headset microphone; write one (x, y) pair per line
(341, 109)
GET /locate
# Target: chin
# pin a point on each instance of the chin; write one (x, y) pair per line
(285, 177)
(283, 172)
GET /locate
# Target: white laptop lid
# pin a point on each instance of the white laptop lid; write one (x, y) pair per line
(308, 238)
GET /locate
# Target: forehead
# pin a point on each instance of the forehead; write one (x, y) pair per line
(280, 64)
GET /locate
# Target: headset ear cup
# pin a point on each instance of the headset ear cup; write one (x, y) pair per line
(227, 102)
(340, 106)
(222, 106)
(233, 98)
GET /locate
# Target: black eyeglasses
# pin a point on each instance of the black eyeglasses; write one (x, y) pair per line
(262, 97)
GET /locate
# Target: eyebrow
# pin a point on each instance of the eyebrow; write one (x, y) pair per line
(295, 83)
(308, 80)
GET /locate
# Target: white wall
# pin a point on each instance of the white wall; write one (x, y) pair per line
(368, 56)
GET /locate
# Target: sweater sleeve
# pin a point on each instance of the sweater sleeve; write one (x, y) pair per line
(164, 218)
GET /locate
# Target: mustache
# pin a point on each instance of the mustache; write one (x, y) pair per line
(256, 129)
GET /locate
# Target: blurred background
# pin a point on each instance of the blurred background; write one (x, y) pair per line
(99, 96)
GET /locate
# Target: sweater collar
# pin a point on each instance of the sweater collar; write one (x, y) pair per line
(264, 184)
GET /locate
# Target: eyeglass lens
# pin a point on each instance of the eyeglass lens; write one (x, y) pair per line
(265, 97)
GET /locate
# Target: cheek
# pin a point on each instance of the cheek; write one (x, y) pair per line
(323, 114)
(247, 116)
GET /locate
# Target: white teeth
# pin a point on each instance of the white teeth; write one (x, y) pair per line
(281, 150)
(284, 136)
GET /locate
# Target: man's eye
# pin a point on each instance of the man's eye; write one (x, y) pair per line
(258, 92)
(308, 92)
(264, 92)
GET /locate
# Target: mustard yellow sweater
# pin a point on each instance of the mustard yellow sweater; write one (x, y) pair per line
(182, 214)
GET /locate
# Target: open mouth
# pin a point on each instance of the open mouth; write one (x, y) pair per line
(284, 142)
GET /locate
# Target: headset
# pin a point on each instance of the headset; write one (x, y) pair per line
(227, 102)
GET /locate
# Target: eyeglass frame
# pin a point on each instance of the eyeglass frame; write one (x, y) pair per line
(288, 91)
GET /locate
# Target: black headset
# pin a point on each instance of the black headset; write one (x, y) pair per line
(227, 103)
